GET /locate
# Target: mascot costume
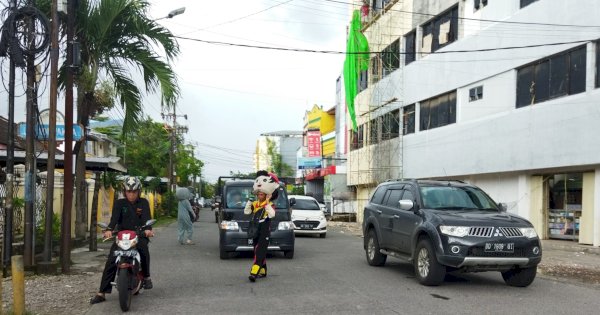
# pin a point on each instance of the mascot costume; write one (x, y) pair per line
(266, 188)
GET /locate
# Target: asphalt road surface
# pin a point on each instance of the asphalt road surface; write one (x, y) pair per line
(326, 276)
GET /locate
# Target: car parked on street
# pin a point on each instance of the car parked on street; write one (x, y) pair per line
(307, 216)
(233, 223)
(444, 226)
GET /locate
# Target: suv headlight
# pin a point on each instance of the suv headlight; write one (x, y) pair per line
(285, 225)
(458, 231)
(229, 225)
(528, 232)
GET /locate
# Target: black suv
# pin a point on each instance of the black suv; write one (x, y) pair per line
(443, 226)
(233, 223)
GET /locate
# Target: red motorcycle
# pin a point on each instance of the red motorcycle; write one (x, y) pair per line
(129, 272)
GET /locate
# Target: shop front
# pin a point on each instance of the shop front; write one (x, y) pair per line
(565, 205)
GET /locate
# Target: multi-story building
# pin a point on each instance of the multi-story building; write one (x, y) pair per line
(286, 143)
(502, 94)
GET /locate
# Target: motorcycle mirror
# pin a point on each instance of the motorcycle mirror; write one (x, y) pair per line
(102, 225)
(150, 222)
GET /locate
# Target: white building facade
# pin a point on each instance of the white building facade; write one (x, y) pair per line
(502, 94)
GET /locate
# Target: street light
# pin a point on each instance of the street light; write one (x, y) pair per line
(172, 14)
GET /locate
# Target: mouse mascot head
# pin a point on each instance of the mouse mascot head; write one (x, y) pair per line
(267, 183)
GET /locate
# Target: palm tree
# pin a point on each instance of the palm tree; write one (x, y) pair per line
(117, 39)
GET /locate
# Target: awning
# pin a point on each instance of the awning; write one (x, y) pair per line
(112, 163)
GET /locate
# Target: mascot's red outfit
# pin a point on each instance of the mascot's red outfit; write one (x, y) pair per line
(262, 212)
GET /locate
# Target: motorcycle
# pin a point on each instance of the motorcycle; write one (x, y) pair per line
(129, 272)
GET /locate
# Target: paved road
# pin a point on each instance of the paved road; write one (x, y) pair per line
(327, 276)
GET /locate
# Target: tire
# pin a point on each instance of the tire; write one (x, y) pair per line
(222, 253)
(374, 257)
(324, 235)
(428, 270)
(289, 254)
(519, 277)
(123, 288)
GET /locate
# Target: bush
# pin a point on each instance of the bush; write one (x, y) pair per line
(41, 231)
(168, 205)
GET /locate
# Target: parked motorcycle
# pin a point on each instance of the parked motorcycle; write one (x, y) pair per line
(129, 272)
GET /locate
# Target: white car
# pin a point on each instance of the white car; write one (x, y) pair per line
(307, 216)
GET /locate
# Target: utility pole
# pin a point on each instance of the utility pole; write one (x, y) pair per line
(65, 244)
(30, 172)
(10, 158)
(52, 133)
(175, 130)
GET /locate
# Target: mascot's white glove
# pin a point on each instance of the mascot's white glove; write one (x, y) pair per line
(270, 210)
(248, 208)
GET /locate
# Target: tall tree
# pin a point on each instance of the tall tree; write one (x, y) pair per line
(117, 38)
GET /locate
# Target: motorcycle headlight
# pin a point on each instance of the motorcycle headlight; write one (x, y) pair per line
(229, 225)
(458, 231)
(126, 244)
(285, 225)
(528, 232)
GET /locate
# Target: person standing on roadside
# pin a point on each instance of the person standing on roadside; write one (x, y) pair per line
(185, 217)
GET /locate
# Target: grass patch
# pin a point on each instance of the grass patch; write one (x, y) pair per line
(164, 221)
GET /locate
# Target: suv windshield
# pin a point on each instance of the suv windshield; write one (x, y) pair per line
(305, 204)
(456, 198)
(237, 196)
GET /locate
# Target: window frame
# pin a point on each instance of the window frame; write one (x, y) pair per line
(409, 113)
(432, 27)
(410, 47)
(438, 111)
(554, 76)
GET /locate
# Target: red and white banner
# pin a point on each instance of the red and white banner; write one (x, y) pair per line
(313, 138)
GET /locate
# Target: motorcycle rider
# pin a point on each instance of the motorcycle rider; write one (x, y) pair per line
(128, 213)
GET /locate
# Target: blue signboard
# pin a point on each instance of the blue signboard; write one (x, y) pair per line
(43, 132)
(305, 163)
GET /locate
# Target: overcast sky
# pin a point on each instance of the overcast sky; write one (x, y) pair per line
(233, 94)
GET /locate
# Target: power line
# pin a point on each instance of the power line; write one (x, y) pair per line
(334, 52)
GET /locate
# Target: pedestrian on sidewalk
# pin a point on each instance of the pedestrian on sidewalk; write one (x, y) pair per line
(262, 210)
(185, 217)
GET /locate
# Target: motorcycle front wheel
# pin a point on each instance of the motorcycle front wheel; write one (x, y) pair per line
(123, 288)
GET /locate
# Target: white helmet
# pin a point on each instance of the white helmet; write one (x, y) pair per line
(132, 183)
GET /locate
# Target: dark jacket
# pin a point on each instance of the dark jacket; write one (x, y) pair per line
(128, 216)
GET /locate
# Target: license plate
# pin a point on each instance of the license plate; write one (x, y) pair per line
(500, 247)
(250, 241)
(305, 226)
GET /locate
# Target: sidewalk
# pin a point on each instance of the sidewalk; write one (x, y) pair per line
(561, 260)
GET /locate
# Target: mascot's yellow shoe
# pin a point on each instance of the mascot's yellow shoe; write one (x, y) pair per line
(254, 273)
(262, 272)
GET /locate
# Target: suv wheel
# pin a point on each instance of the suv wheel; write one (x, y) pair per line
(427, 269)
(374, 257)
(519, 277)
(223, 254)
(289, 254)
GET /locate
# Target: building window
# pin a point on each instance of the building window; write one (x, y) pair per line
(441, 31)
(390, 125)
(410, 44)
(363, 80)
(476, 93)
(375, 62)
(390, 57)
(374, 131)
(478, 4)
(598, 64)
(552, 77)
(525, 3)
(408, 119)
(361, 136)
(438, 111)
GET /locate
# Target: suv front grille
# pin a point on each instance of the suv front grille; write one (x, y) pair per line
(511, 231)
(481, 231)
(489, 231)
